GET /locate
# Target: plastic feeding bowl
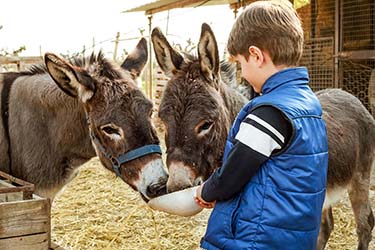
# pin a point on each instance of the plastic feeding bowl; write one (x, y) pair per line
(179, 203)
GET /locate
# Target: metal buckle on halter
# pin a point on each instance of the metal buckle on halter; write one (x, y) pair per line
(116, 166)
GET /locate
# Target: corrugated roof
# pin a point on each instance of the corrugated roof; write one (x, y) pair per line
(150, 5)
(163, 5)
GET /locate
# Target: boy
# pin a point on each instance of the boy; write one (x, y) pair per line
(269, 192)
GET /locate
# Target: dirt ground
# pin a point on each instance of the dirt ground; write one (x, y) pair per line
(98, 211)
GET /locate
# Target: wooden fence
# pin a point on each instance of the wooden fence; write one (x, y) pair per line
(17, 63)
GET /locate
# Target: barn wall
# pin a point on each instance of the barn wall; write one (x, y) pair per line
(357, 73)
(350, 28)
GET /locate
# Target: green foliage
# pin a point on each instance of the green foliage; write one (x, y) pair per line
(300, 3)
(5, 52)
(189, 47)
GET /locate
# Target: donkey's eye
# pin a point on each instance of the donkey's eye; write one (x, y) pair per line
(108, 129)
(203, 128)
(150, 112)
(206, 125)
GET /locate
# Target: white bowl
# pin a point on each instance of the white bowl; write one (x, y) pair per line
(179, 203)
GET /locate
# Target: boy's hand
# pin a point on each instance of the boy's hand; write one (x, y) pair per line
(199, 200)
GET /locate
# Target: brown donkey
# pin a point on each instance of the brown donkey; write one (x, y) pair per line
(57, 116)
(197, 109)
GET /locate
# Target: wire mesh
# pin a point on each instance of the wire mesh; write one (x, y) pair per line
(358, 24)
(318, 22)
(358, 78)
(356, 32)
(318, 19)
(318, 58)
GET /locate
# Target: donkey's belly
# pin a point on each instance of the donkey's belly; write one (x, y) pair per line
(334, 195)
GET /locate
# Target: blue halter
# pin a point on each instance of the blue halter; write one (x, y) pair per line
(125, 157)
(134, 154)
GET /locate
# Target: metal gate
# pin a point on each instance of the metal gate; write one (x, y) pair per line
(318, 57)
(357, 49)
(340, 46)
(318, 21)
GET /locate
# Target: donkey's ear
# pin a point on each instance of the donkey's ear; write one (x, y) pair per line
(137, 59)
(168, 59)
(208, 53)
(69, 80)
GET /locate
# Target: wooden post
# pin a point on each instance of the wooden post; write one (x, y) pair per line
(235, 11)
(337, 43)
(166, 29)
(150, 55)
(93, 44)
(116, 46)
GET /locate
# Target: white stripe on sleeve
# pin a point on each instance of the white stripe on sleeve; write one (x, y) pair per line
(256, 139)
(267, 126)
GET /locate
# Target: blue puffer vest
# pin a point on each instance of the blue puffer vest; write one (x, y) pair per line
(280, 208)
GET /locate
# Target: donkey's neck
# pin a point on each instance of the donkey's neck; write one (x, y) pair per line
(49, 135)
(63, 116)
(73, 127)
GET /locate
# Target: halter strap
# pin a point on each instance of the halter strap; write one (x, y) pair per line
(139, 152)
(125, 157)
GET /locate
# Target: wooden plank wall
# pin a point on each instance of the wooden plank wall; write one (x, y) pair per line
(25, 224)
(19, 62)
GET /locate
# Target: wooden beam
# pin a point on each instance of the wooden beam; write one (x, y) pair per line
(17, 59)
(357, 55)
(150, 57)
(22, 185)
(173, 5)
(11, 184)
(242, 3)
(29, 242)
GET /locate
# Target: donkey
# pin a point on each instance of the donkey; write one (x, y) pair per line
(197, 109)
(57, 116)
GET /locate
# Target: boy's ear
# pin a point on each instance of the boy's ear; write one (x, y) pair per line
(208, 53)
(168, 59)
(257, 53)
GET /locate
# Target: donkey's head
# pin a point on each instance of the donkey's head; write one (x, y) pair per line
(118, 115)
(192, 109)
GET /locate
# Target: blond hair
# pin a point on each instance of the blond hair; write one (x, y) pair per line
(273, 26)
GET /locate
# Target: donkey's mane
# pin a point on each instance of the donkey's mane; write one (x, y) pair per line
(36, 69)
(104, 67)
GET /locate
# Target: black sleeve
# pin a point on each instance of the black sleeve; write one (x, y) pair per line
(272, 131)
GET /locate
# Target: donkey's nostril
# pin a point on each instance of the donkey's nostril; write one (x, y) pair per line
(198, 181)
(156, 189)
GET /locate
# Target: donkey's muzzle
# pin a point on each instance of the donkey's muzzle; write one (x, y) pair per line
(156, 189)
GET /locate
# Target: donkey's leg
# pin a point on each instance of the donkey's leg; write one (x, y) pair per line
(326, 228)
(359, 198)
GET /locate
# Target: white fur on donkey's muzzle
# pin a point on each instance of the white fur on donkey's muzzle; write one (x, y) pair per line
(181, 176)
(153, 173)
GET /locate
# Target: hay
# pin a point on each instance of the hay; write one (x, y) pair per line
(99, 211)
